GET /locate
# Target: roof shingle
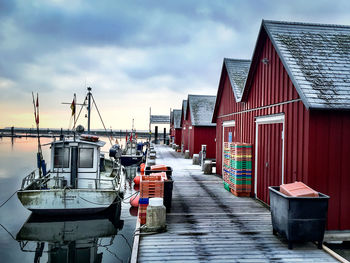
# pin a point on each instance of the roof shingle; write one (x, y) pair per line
(317, 59)
(201, 109)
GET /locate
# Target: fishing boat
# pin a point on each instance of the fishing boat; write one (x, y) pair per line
(132, 153)
(79, 180)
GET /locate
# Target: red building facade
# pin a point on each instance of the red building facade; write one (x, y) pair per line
(297, 133)
(197, 127)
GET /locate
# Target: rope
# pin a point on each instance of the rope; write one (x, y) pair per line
(7, 199)
(76, 120)
(126, 198)
(101, 118)
(8, 232)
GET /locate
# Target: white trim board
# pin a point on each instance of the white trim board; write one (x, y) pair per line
(268, 119)
(225, 124)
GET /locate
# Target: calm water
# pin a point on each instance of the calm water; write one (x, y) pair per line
(89, 239)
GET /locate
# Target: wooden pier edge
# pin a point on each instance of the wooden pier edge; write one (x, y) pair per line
(135, 245)
(334, 254)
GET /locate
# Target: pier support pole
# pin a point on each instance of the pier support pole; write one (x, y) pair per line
(164, 141)
(156, 134)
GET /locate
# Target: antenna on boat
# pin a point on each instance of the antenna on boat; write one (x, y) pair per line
(36, 116)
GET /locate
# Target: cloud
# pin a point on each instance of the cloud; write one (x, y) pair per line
(134, 54)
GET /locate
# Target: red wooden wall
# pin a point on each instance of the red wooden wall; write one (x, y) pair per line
(177, 136)
(185, 131)
(204, 135)
(329, 163)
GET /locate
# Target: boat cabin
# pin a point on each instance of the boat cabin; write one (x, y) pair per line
(76, 163)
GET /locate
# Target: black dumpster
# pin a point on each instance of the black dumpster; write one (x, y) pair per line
(298, 218)
(168, 185)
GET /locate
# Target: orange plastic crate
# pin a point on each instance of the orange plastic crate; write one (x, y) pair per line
(162, 175)
(159, 167)
(298, 189)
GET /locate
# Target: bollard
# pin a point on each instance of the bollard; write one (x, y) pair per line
(204, 155)
(195, 159)
(207, 166)
(151, 162)
(187, 154)
(156, 215)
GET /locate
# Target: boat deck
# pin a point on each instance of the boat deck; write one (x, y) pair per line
(209, 224)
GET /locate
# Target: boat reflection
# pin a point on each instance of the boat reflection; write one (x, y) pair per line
(70, 239)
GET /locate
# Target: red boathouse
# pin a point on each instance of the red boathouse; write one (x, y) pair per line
(197, 126)
(294, 110)
(175, 127)
(184, 144)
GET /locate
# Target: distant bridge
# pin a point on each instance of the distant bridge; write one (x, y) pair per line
(48, 132)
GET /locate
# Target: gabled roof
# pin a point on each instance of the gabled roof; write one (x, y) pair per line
(171, 117)
(183, 111)
(316, 57)
(237, 71)
(177, 119)
(201, 108)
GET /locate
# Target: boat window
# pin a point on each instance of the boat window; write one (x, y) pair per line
(86, 158)
(61, 157)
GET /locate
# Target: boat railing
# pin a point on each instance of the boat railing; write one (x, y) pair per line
(96, 183)
(31, 178)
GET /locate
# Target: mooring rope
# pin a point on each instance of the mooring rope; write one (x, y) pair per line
(8, 199)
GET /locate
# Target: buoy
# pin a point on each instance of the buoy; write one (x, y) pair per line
(134, 200)
(137, 179)
(142, 167)
(136, 187)
(133, 211)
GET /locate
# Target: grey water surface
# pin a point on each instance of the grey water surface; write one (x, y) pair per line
(28, 238)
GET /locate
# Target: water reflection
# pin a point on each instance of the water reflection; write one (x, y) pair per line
(70, 239)
(16, 161)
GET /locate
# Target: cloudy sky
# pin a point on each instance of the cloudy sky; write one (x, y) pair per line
(134, 54)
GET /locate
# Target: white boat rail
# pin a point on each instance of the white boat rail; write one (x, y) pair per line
(33, 182)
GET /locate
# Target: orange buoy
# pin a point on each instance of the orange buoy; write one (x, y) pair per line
(133, 211)
(142, 167)
(134, 200)
(136, 187)
(137, 179)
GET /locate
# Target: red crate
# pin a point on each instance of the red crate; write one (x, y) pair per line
(298, 189)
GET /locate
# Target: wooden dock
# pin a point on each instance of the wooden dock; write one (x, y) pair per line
(209, 224)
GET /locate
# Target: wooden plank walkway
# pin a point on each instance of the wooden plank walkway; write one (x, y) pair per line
(209, 224)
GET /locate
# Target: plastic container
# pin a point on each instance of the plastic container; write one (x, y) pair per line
(167, 169)
(298, 189)
(158, 167)
(298, 218)
(168, 185)
(156, 215)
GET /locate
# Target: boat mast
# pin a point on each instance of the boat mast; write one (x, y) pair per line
(89, 107)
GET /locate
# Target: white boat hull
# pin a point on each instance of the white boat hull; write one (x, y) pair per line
(68, 201)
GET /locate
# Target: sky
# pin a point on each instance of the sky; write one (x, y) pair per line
(134, 54)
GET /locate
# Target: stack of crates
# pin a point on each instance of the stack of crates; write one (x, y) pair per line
(150, 186)
(237, 164)
(241, 169)
(227, 165)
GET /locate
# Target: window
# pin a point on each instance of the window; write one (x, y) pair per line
(86, 158)
(61, 157)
